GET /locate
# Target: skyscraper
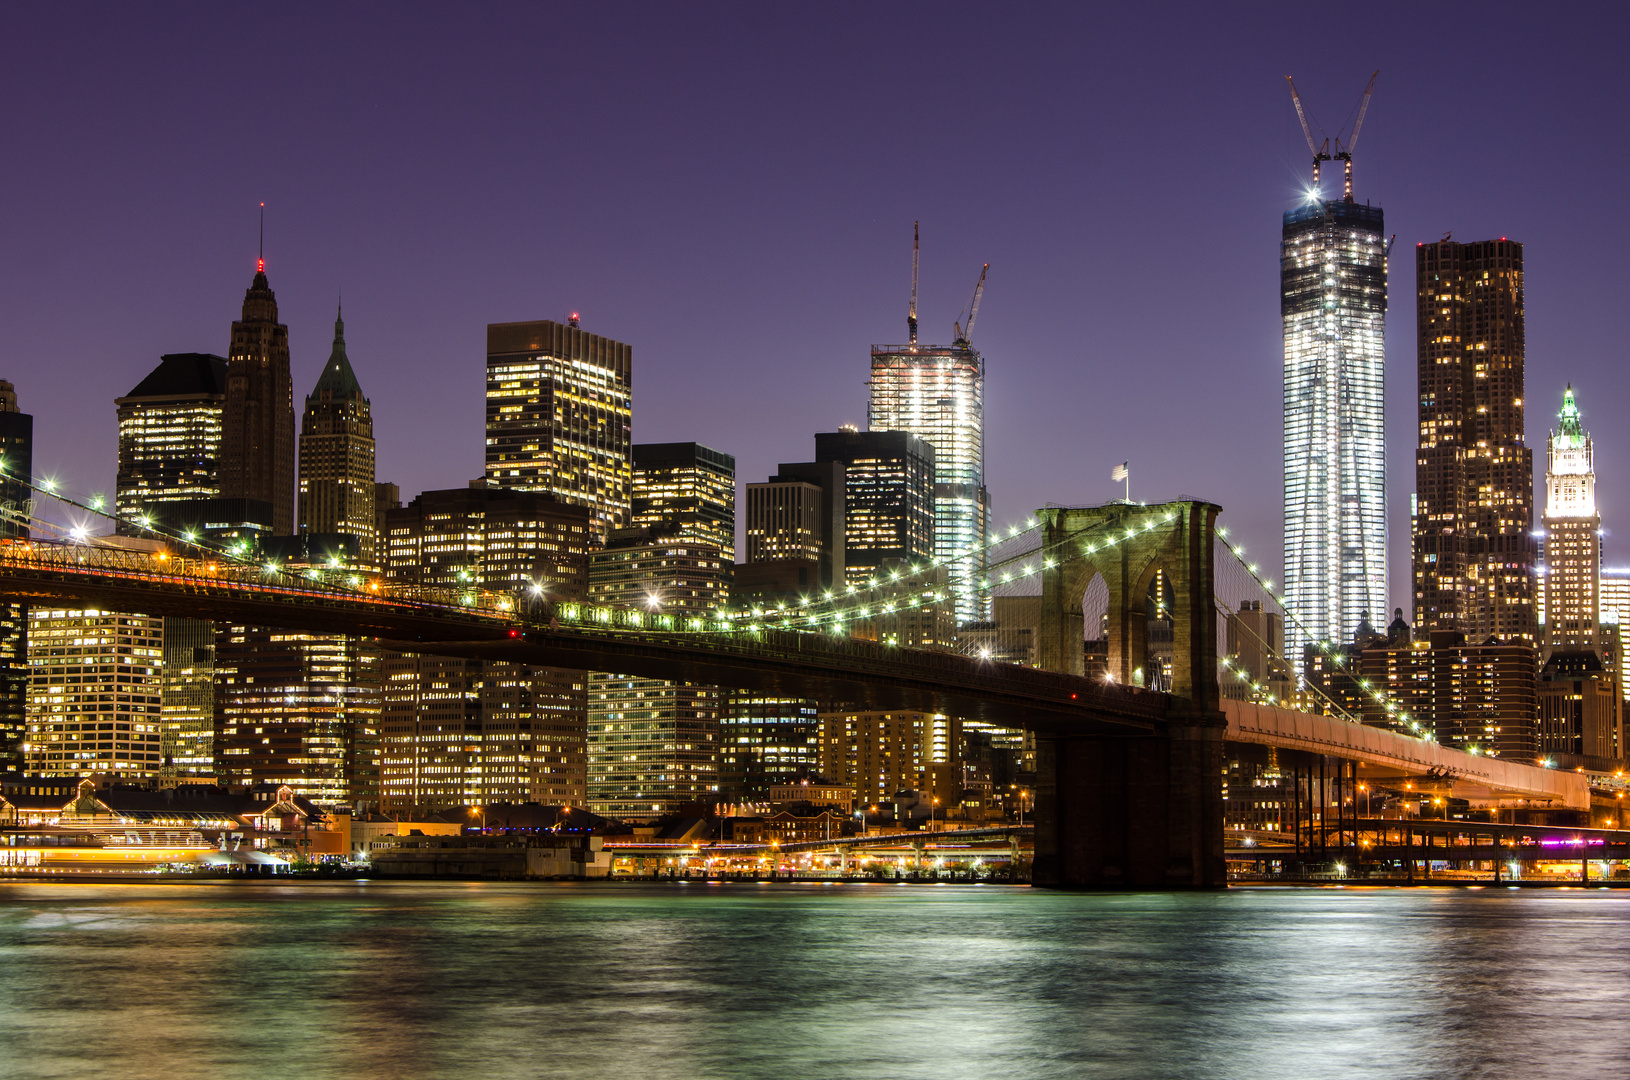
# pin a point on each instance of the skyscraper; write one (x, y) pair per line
(77, 725)
(796, 519)
(1615, 613)
(889, 502)
(687, 490)
(170, 436)
(298, 709)
(16, 462)
(654, 744)
(337, 456)
(937, 393)
(1333, 303)
(1573, 544)
(559, 415)
(257, 456)
(1474, 552)
(461, 731)
(16, 503)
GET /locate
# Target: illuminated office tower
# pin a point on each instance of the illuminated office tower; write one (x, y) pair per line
(795, 520)
(170, 467)
(298, 709)
(170, 436)
(1573, 542)
(654, 744)
(1615, 601)
(16, 503)
(888, 504)
(257, 428)
(1474, 551)
(337, 456)
(686, 490)
(93, 693)
(459, 732)
(1333, 304)
(937, 393)
(558, 415)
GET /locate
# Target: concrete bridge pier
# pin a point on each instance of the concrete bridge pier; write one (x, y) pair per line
(1134, 811)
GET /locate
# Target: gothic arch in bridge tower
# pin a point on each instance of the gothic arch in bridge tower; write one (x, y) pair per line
(1128, 546)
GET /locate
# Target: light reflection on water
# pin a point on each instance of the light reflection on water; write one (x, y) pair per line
(369, 981)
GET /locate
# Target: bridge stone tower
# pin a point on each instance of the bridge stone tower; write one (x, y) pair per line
(1138, 811)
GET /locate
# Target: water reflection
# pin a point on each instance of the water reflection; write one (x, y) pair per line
(489, 980)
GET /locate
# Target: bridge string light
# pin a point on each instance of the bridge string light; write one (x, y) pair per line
(1393, 709)
(832, 613)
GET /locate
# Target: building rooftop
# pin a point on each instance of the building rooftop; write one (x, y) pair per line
(183, 375)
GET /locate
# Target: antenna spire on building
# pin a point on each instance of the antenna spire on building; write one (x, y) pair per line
(260, 260)
(911, 318)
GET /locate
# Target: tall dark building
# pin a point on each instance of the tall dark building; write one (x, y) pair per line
(797, 517)
(1474, 551)
(17, 461)
(888, 508)
(257, 456)
(337, 456)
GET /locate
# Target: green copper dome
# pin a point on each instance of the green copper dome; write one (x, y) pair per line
(337, 377)
(1571, 432)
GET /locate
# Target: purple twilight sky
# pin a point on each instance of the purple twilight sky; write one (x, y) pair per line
(731, 190)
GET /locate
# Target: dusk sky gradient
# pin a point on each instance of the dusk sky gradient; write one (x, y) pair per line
(730, 189)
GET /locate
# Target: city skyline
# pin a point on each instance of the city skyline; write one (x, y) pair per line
(1065, 336)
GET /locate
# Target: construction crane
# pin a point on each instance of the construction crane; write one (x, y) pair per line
(1320, 153)
(965, 337)
(911, 319)
(1345, 154)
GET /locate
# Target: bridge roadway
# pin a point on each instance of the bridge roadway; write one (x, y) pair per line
(780, 662)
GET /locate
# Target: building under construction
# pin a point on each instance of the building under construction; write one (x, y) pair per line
(937, 393)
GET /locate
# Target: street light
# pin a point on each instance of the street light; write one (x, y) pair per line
(483, 813)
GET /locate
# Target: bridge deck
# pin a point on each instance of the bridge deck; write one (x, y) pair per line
(1475, 776)
(781, 662)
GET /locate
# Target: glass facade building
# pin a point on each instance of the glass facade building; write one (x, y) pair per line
(459, 732)
(298, 709)
(170, 432)
(93, 693)
(1473, 548)
(1333, 304)
(888, 501)
(686, 490)
(653, 744)
(170, 435)
(937, 393)
(559, 404)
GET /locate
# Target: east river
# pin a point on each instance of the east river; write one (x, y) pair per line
(368, 980)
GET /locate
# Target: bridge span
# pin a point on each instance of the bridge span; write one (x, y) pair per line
(1129, 785)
